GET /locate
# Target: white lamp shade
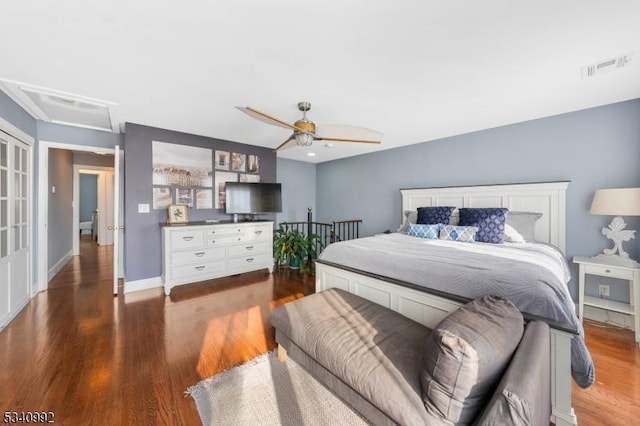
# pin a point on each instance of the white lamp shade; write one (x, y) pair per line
(616, 202)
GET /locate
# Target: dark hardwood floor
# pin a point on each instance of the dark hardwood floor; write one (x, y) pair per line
(92, 358)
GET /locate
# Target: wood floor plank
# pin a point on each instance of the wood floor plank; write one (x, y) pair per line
(97, 359)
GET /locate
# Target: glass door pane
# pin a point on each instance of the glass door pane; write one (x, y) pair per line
(4, 198)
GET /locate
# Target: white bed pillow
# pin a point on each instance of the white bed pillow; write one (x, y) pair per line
(410, 216)
(512, 236)
(524, 223)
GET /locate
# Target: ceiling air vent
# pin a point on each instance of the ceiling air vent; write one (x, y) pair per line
(606, 66)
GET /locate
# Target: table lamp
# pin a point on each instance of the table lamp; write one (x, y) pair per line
(617, 202)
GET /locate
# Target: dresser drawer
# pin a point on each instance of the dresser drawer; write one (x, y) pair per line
(225, 231)
(197, 256)
(606, 271)
(259, 232)
(198, 269)
(213, 241)
(248, 249)
(247, 262)
(187, 239)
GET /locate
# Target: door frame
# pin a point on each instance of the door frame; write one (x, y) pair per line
(25, 138)
(99, 171)
(43, 200)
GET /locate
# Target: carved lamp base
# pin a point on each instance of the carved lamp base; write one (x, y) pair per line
(617, 233)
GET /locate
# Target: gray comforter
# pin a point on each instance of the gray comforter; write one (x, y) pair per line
(533, 276)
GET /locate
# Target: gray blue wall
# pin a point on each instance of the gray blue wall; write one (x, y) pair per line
(88, 196)
(60, 213)
(142, 235)
(298, 189)
(14, 114)
(594, 148)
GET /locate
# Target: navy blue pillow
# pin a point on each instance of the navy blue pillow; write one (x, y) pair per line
(433, 215)
(489, 221)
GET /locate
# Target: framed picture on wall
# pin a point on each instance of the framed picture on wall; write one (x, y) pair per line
(249, 178)
(221, 179)
(162, 198)
(181, 165)
(238, 162)
(177, 214)
(222, 160)
(184, 197)
(253, 164)
(204, 199)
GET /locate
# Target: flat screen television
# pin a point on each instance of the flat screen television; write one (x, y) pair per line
(253, 198)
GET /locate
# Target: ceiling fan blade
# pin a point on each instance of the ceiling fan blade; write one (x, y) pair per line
(286, 144)
(348, 131)
(266, 118)
(333, 139)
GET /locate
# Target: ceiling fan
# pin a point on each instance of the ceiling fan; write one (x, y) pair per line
(304, 130)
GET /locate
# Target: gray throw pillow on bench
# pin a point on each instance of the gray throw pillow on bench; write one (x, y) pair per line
(465, 357)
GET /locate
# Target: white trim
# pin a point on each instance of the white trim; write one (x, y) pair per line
(144, 284)
(59, 265)
(16, 91)
(28, 140)
(15, 132)
(43, 200)
(12, 314)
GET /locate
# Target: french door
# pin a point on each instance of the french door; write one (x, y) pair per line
(15, 181)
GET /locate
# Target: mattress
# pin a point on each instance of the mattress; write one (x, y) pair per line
(533, 276)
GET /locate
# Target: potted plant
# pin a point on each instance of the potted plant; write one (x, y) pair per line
(292, 247)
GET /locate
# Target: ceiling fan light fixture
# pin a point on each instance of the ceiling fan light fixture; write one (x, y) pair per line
(304, 139)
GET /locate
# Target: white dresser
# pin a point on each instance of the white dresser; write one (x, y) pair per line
(201, 252)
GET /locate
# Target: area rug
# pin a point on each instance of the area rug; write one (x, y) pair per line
(265, 391)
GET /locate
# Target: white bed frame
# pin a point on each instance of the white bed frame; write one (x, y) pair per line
(429, 309)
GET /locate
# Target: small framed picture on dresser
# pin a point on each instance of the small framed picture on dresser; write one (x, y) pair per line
(177, 213)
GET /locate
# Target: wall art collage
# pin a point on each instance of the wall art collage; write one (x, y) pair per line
(196, 177)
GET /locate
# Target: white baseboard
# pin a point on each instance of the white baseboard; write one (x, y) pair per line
(608, 317)
(145, 284)
(59, 265)
(11, 315)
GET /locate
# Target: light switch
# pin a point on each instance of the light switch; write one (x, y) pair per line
(53, 189)
(143, 208)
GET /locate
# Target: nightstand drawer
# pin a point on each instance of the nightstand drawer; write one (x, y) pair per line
(607, 271)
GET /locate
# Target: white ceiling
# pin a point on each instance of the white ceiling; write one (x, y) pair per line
(413, 70)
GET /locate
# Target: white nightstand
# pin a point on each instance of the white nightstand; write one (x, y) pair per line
(588, 265)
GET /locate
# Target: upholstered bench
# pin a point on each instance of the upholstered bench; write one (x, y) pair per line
(476, 366)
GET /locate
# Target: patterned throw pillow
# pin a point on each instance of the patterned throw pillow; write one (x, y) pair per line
(489, 221)
(423, 231)
(458, 233)
(431, 215)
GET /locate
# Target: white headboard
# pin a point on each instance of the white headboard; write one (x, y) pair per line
(548, 198)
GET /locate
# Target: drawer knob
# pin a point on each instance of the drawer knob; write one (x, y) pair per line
(249, 248)
(213, 232)
(200, 268)
(213, 241)
(200, 254)
(607, 271)
(187, 238)
(258, 232)
(249, 259)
